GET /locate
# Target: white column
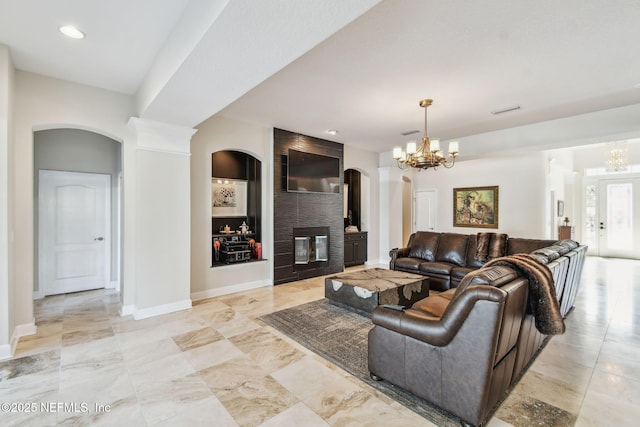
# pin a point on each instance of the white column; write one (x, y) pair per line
(158, 225)
(390, 209)
(6, 320)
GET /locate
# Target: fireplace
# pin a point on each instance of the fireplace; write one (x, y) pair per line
(311, 246)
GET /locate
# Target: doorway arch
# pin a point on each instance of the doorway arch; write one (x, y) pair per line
(73, 149)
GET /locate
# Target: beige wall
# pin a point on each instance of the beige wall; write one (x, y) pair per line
(216, 134)
(46, 103)
(523, 192)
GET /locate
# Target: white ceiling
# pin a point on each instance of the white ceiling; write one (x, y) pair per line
(359, 66)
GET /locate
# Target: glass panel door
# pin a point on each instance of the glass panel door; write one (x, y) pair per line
(618, 218)
(591, 234)
(322, 248)
(301, 250)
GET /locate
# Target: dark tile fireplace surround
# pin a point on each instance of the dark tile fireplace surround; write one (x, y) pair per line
(309, 217)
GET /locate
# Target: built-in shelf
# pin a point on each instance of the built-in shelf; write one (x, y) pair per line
(237, 264)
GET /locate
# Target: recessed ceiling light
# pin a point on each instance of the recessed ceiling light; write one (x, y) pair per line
(332, 132)
(71, 31)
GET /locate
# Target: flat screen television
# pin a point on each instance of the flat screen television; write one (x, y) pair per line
(312, 173)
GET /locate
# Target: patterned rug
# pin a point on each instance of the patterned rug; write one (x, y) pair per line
(340, 336)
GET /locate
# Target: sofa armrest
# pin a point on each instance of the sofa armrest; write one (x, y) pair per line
(436, 331)
(399, 252)
(396, 253)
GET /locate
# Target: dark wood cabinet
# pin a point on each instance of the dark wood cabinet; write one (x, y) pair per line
(355, 248)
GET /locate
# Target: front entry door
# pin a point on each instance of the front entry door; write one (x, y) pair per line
(619, 222)
(74, 231)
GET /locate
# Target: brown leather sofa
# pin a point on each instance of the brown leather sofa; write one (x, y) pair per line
(465, 347)
(447, 257)
(456, 349)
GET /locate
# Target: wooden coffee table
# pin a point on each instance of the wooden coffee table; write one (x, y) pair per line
(364, 290)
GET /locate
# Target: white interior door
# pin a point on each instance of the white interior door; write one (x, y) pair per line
(425, 210)
(619, 218)
(74, 231)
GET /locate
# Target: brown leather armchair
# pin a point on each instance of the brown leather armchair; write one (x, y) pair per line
(456, 349)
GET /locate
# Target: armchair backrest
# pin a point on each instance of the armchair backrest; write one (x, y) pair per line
(508, 280)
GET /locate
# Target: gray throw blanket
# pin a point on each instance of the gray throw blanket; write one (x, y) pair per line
(542, 292)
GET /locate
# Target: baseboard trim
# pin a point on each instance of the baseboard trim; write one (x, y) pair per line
(18, 331)
(159, 310)
(226, 290)
(5, 352)
(127, 310)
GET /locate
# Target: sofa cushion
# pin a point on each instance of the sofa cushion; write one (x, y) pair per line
(472, 248)
(549, 252)
(542, 259)
(491, 245)
(424, 245)
(458, 273)
(408, 264)
(561, 249)
(434, 305)
(492, 276)
(571, 244)
(525, 246)
(443, 268)
(452, 248)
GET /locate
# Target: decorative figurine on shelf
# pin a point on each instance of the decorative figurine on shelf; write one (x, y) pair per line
(244, 227)
(350, 228)
(227, 229)
(258, 250)
(216, 249)
(566, 221)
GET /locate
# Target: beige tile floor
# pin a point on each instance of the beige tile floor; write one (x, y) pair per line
(217, 365)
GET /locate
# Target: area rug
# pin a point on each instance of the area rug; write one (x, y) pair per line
(340, 336)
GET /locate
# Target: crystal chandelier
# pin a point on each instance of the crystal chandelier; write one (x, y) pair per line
(616, 160)
(428, 154)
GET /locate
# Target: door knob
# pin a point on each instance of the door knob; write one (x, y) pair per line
(99, 239)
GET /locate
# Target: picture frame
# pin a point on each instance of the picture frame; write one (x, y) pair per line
(228, 197)
(560, 208)
(476, 207)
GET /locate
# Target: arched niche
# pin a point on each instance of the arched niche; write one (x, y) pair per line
(353, 198)
(236, 198)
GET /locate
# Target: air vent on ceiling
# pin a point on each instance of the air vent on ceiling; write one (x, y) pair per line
(506, 109)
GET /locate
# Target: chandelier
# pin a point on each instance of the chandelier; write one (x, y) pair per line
(616, 160)
(428, 154)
